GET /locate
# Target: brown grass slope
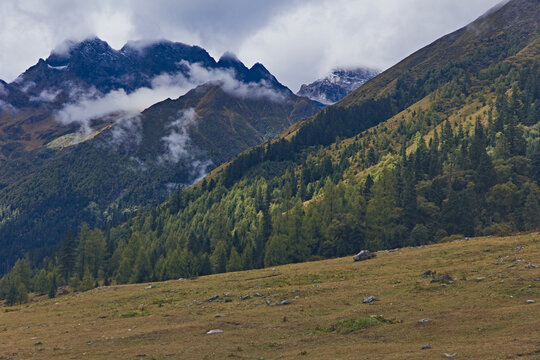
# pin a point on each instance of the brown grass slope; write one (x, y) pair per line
(483, 314)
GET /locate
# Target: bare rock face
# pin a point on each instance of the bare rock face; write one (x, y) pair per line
(363, 255)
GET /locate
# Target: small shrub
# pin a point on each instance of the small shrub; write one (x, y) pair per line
(452, 238)
(349, 325)
(134, 313)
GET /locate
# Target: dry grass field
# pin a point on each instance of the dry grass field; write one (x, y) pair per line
(480, 312)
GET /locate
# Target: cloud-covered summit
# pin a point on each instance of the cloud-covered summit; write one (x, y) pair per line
(298, 41)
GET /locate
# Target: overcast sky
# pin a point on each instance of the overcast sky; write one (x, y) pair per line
(298, 41)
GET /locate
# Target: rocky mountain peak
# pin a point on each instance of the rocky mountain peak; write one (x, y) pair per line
(336, 85)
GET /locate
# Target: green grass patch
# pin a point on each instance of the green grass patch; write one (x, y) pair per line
(347, 326)
(12, 309)
(134, 313)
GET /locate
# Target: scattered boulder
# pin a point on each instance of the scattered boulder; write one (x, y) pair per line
(215, 297)
(426, 347)
(530, 301)
(148, 287)
(519, 248)
(257, 295)
(424, 320)
(284, 302)
(449, 356)
(445, 278)
(369, 300)
(364, 255)
(38, 343)
(214, 331)
(246, 297)
(530, 266)
(428, 274)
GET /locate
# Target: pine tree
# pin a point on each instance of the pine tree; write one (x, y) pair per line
(52, 286)
(68, 255)
(41, 282)
(219, 257)
(87, 282)
(205, 265)
(531, 211)
(235, 261)
(367, 186)
(276, 251)
(12, 295)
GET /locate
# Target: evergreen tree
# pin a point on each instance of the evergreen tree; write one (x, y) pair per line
(531, 211)
(219, 257)
(41, 282)
(276, 251)
(205, 265)
(87, 282)
(12, 295)
(68, 255)
(235, 261)
(52, 286)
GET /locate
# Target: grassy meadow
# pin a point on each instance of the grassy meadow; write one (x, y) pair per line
(312, 310)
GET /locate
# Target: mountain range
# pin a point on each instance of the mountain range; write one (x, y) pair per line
(442, 146)
(87, 130)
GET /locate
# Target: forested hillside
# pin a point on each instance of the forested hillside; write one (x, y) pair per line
(445, 144)
(61, 175)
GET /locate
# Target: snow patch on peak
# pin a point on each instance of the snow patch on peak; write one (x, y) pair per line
(337, 84)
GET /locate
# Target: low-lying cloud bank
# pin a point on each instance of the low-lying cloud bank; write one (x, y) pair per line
(92, 105)
(178, 145)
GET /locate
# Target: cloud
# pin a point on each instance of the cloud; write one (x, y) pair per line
(119, 105)
(117, 102)
(298, 41)
(178, 145)
(46, 96)
(315, 37)
(126, 129)
(229, 83)
(4, 106)
(3, 90)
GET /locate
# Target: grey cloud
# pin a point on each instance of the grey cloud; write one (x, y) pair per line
(178, 145)
(47, 95)
(178, 140)
(298, 41)
(121, 105)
